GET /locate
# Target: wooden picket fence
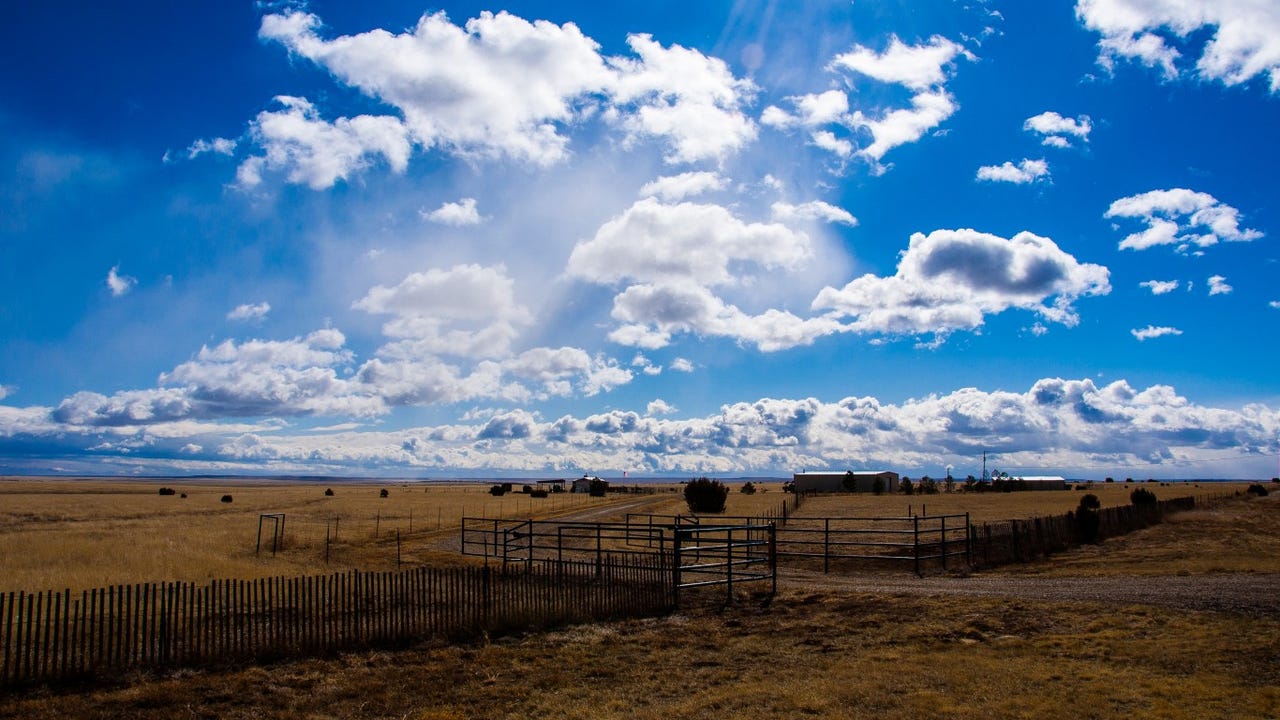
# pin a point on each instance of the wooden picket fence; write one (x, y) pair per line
(53, 636)
(1018, 541)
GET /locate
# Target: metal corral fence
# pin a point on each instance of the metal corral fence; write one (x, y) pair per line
(920, 540)
(525, 540)
(724, 553)
(917, 541)
(51, 636)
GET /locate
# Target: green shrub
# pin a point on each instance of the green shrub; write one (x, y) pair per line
(1257, 489)
(168, 491)
(905, 487)
(748, 488)
(598, 488)
(497, 491)
(328, 492)
(705, 495)
(383, 492)
(877, 486)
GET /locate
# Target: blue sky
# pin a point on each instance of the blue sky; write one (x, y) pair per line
(728, 238)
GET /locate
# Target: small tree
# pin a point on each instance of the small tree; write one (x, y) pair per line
(748, 488)
(705, 495)
(1257, 489)
(598, 488)
(328, 492)
(927, 486)
(850, 482)
(383, 492)
(906, 488)
(1087, 519)
(877, 486)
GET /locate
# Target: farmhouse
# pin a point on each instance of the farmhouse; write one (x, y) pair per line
(864, 481)
(583, 484)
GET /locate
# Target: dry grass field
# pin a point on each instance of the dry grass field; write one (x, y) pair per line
(992, 507)
(87, 533)
(815, 651)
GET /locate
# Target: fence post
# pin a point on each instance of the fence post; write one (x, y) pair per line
(773, 556)
(915, 520)
(943, 539)
(968, 540)
(826, 545)
(675, 567)
(728, 567)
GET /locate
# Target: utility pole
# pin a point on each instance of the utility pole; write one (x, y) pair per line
(984, 466)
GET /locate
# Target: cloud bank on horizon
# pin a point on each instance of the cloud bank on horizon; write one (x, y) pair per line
(557, 239)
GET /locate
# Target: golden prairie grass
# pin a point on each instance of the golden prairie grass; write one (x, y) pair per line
(79, 534)
(810, 653)
(993, 507)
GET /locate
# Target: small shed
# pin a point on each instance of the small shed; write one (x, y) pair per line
(831, 481)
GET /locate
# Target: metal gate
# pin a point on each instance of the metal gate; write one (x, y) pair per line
(709, 555)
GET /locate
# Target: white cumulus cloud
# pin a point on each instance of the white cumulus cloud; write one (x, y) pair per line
(1218, 285)
(1151, 331)
(813, 210)
(313, 151)
(950, 280)
(1180, 217)
(1242, 36)
(1056, 130)
(684, 185)
(119, 284)
(1159, 287)
(1024, 172)
(921, 69)
(457, 214)
(255, 311)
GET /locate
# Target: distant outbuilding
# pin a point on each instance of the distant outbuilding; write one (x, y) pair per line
(846, 481)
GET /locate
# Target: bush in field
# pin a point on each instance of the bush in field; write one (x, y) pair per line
(849, 483)
(226, 498)
(705, 495)
(1257, 489)
(906, 487)
(928, 486)
(748, 488)
(383, 492)
(598, 488)
(877, 486)
(1143, 497)
(497, 491)
(168, 491)
(1087, 519)
(328, 492)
